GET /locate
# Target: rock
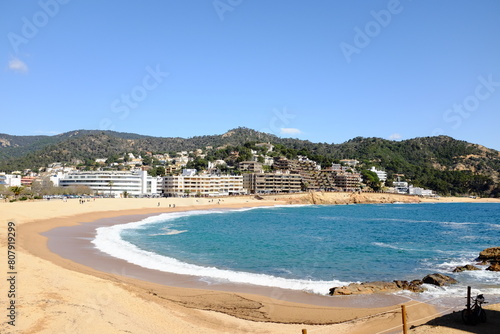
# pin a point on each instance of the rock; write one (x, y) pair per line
(377, 287)
(494, 267)
(490, 254)
(365, 288)
(439, 279)
(464, 268)
(414, 286)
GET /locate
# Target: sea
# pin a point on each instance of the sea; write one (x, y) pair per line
(315, 247)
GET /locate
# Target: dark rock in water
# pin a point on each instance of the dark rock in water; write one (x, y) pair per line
(490, 254)
(439, 279)
(494, 267)
(465, 268)
(414, 286)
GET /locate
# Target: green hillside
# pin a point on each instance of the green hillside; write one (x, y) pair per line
(440, 163)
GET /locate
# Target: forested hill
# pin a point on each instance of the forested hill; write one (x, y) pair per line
(440, 163)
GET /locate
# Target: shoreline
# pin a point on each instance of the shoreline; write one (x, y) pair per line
(228, 308)
(74, 243)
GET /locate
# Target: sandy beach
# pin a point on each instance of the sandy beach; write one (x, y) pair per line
(54, 294)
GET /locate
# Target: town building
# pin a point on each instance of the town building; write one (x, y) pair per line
(113, 183)
(202, 185)
(400, 187)
(10, 180)
(27, 181)
(250, 166)
(264, 183)
(348, 181)
(349, 162)
(419, 191)
(382, 176)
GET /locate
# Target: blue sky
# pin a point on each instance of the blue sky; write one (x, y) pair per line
(323, 70)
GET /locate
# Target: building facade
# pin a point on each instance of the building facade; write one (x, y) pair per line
(382, 176)
(10, 180)
(348, 181)
(265, 183)
(202, 185)
(251, 166)
(113, 183)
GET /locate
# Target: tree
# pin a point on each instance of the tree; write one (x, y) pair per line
(371, 179)
(16, 190)
(42, 187)
(110, 184)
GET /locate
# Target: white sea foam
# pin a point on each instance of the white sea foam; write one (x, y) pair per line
(457, 225)
(391, 246)
(109, 241)
(384, 245)
(168, 231)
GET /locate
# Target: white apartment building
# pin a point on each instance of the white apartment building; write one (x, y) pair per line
(202, 185)
(419, 191)
(350, 162)
(114, 183)
(401, 187)
(382, 176)
(10, 180)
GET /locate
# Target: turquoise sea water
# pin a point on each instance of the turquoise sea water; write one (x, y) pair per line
(315, 247)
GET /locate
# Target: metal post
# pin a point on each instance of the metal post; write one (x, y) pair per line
(405, 326)
(468, 299)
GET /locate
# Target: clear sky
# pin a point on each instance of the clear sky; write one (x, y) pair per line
(321, 70)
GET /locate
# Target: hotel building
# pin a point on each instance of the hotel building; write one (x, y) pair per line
(114, 183)
(264, 183)
(202, 185)
(10, 180)
(382, 176)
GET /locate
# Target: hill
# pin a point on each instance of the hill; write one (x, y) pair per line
(441, 163)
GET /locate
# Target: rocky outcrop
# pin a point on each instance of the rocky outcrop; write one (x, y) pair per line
(389, 287)
(439, 279)
(491, 255)
(494, 267)
(347, 198)
(376, 287)
(467, 267)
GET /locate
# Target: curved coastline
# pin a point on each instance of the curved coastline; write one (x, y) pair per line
(190, 300)
(76, 243)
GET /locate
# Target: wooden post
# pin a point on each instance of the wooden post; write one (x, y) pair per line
(468, 299)
(304, 331)
(405, 326)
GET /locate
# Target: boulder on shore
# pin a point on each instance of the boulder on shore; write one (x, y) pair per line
(439, 279)
(377, 287)
(490, 254)
(394, 286)
(465, 268)
(494, 267)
